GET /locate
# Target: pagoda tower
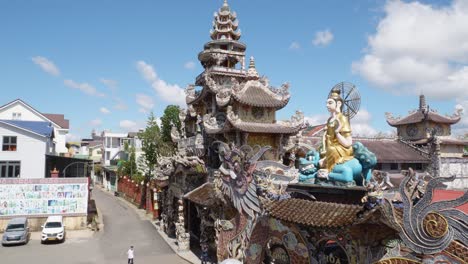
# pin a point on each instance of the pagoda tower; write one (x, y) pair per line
(419, 124)
(234, 104)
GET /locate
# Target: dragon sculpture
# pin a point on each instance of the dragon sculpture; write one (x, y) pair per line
(235, 180)
(435, 230)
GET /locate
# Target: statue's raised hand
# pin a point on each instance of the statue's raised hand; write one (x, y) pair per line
(338, 127)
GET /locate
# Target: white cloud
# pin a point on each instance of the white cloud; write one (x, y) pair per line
(360, 124)
(96, 122)
(170, 93)
(131, 126)
(111, 84)
(145, 101)
(46, 65)
(461, 128)
(294, 46)
(419, 48)
(104, 110)
(322, 38)
(72, 138)
(120, 104)
(318, 119)
(84, 87)
(189, 65)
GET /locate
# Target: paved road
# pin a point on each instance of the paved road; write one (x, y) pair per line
(122, 228)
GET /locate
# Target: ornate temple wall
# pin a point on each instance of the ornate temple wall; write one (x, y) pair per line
(452, 151)
(457, 166)
(256, 114)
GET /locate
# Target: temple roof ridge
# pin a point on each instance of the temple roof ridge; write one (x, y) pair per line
(283, 127)
(256, 91)
(423, 113)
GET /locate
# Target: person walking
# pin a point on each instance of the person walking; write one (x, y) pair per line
(130, 255)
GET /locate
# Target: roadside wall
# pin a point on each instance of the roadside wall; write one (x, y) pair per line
(37, 199)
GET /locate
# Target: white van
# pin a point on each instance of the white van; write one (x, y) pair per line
(53, 229)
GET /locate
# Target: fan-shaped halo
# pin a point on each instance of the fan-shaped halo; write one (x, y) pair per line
(351, 98)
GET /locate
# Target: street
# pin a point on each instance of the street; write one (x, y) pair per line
(122, 228)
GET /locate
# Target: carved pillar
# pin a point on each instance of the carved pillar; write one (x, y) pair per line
(245, 136)
(183, 238)
(280, 147)
(435, 157)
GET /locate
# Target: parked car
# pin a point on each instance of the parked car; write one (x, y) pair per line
(53, 229)
(16, 232)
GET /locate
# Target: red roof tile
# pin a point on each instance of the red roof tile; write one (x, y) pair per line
(446, 195)
(58, 119)
(313, 130)
(313, 213)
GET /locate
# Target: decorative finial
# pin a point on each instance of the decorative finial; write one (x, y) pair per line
(252, 72)
(422, 102)
(225, 6)
(252, 62)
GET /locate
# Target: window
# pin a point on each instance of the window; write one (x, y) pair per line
(115, 143)
(16, 116)
(9, 143)
(10, 169)
(393, 166)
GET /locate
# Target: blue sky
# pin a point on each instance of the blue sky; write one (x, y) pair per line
(106, 64)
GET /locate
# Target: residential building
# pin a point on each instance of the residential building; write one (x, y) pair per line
(25, 145)
(21, 111)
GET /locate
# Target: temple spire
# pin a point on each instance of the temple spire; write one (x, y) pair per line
(422, 102)
(252, 72)
(225, 24)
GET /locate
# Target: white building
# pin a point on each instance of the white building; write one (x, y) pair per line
(25, 145)
(113, 145)
(19, 110)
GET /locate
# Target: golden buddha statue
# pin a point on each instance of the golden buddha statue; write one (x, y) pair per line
(337, 141)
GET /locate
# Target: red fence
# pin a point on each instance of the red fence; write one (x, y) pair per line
(133, 192)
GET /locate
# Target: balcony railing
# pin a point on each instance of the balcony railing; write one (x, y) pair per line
(193, 145)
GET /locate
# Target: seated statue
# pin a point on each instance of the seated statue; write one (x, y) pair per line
(337, 141)
(342, 162)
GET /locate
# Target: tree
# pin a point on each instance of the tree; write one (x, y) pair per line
(150, 142)
(150, 138)
(129, 167)
(169, 119)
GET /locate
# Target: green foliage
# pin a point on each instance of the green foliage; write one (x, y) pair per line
(138, 178)
(150, 139)
(97, 169)
(168, 120)
(128, 167)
